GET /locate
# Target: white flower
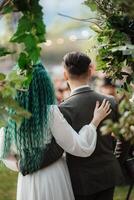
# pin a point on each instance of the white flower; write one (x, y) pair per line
(132, 128)
(132, 99)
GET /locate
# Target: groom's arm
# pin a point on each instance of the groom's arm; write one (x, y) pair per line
(51, 154)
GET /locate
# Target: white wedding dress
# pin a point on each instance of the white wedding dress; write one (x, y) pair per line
(53, 182)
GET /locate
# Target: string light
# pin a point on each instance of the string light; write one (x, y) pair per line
(85, 33)
(60, 41)
(48, 43)
(73, 38)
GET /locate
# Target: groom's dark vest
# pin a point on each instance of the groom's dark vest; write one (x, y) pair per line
(101, 170)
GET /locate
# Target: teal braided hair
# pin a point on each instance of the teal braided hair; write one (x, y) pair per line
(33, 135)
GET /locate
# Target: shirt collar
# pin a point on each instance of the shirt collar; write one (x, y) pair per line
(83, 86)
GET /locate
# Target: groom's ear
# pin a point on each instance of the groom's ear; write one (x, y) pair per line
(65, 75)
(90, 70)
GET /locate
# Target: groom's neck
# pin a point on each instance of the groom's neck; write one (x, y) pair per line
(75, 84)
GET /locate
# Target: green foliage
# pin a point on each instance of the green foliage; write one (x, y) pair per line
(125, 126)
(29, 34)
(115, 36)
(2, 77)
(112, 7)
(116, 56)
(7, 9)
(91, 4)
(105, 7)
(7, 103)
(126, 6)
(8, 87)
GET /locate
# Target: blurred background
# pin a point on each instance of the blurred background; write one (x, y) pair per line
(64, 34)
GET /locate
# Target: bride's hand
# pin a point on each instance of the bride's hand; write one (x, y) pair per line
(101, 111)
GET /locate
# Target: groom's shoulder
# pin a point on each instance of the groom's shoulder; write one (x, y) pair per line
(104, 96)
(91, 95)
(66, 104)
(67, 109)
(101, 97)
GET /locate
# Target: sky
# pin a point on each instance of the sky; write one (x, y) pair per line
(51, 8)
(62, 30)
(65, 27)
(69, 7)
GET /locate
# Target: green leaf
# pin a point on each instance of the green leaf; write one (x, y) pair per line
(2, 77)
(24, 25)
(28, 80)
(16, 79)
(7, 9)
(96, 28)
(19, 38)
(23, 61)
(3, 123)
(8, 91)
(91, 4)
(23, 29)
(35, 55)
(30, 42)
(40, 30)
(12, 75)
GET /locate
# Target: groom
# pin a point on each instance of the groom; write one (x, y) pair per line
(94, 177)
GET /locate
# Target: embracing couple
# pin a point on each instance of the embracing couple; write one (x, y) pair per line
(90, 170)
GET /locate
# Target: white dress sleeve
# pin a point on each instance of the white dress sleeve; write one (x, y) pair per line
(10, 161)
(82, 144)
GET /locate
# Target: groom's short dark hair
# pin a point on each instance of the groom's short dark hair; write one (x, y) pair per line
(77, 63)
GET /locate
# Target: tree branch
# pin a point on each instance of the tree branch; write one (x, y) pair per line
(82, 20)
(78, 19)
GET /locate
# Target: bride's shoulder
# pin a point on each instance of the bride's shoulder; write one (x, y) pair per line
(55, 111)
(54, 108)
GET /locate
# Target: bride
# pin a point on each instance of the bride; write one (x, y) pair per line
(34, 135)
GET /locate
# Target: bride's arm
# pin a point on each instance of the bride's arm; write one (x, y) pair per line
(84, 143)
(10, 161)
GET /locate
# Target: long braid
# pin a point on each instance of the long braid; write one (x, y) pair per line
(33, 136)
